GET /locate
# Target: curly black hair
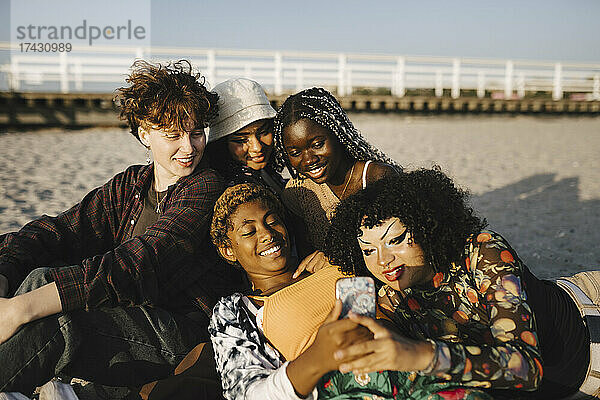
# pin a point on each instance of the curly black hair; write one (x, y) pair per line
(426, 201)
(167, 96)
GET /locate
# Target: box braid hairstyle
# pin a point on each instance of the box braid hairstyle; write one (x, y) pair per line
(318, 105)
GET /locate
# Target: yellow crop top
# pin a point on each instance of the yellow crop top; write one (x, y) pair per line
(292, 315)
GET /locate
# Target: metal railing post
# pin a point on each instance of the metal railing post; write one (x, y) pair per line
(341, 86)
(557, 92)
(439, 84)
(521, 85)
(14, 80)
(248, 71)
(455, 91)
(78, 72)
(400, 77)
(480, 84)
(508, 80)
(278, 74)
(211, 68)
(64, 72)
(349, 88)
(299, 78)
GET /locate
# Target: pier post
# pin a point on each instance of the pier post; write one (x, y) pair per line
(508, 80)
(439, 84)
(480, 84)
(521, 85)
(211, 68)
(299, 78)
(557, 92)
(64, 77)
(14, 81)
(349, 89)
(77, 71)
(455, 91)
(400, 84)
(341, 86)
(596, 88)
(278, 74)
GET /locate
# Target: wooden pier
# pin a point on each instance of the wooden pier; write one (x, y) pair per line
(85, 110)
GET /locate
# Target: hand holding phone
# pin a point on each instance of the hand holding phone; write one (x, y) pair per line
(357, 295)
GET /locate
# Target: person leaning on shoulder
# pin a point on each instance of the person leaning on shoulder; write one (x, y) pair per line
(279, 341)
(241, 137)
(135, 255)
(472, 311)
(328, 160)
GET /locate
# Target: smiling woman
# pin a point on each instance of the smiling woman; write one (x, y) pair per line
(327, 158)
(445, 280)
(402, 261)
(248, 230)
(176, 153)
(252, 234)
(131, 259)
(280, 340)
(327, 162)
(252, 145)
(241, 137)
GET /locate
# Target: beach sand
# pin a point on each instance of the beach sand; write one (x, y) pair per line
(535, 179)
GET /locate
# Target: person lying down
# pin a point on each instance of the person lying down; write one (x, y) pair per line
(278, 341)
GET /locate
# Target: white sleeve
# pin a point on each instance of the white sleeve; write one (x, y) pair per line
(276, 386)
(249, 369)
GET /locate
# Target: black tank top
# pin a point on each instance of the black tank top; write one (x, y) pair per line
(563, 338)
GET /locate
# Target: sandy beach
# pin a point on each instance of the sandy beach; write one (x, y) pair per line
(535, 179)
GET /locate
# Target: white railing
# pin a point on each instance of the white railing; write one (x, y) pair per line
(101, 69)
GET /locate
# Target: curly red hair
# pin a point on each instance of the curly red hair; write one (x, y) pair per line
(167, 97)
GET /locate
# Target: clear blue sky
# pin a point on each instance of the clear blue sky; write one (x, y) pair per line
(531, 29)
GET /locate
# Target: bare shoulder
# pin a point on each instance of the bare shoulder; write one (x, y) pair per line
(379, 170)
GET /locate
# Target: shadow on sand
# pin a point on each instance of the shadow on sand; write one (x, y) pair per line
(554, 232)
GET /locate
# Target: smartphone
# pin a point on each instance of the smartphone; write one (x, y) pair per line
(357, 295)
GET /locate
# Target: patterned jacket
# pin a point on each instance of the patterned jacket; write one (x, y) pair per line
(249, 366)
(478, 314)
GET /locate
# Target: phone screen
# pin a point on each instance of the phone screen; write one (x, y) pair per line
(357, 295)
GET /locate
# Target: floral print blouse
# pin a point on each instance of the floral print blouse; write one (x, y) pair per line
(479, 317)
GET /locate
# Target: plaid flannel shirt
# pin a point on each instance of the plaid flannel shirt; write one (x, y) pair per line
(173, 263)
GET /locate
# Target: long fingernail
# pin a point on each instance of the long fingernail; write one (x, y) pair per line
(338, 355)
(344, 368)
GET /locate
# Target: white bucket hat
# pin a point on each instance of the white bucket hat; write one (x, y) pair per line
(241, 102)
